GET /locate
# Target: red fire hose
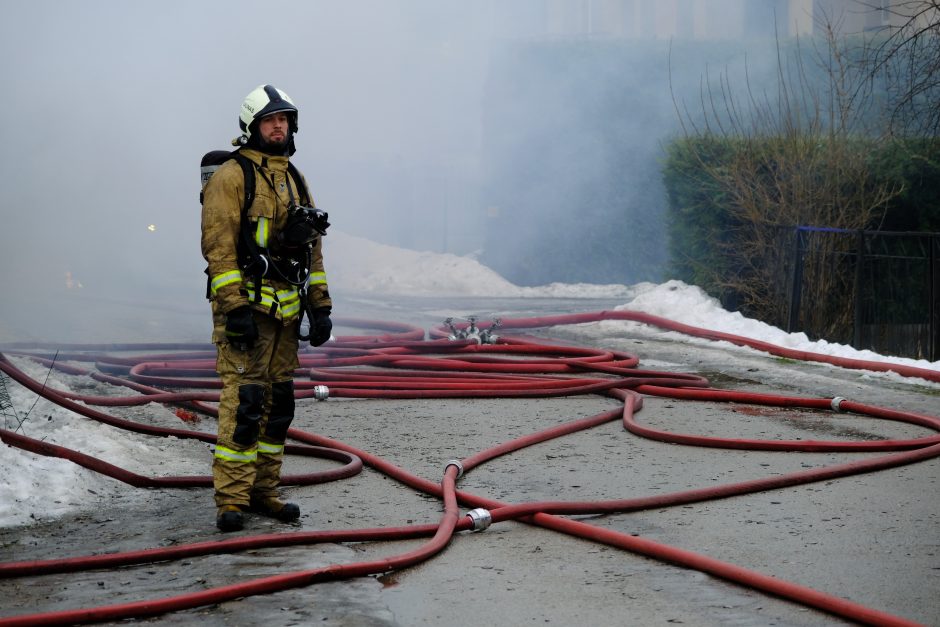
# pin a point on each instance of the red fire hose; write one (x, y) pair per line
(401, 364)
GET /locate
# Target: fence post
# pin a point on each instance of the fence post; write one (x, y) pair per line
(793, 319)
(933, 326)
(857, 317)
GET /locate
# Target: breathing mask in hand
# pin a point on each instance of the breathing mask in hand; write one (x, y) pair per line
(304, 224)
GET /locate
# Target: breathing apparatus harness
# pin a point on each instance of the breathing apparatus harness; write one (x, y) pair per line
(289, 255)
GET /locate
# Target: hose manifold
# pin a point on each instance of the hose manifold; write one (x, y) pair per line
(836, 403)
(455, 462)
(472, 332)
(481, 518)
(321, 392)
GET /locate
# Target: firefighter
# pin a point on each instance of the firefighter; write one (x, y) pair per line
(265, 271)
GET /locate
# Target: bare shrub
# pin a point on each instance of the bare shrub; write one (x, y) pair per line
(797, 158)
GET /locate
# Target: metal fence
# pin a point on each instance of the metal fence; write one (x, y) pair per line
(871, 289)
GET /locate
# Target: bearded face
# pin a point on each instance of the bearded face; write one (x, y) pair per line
(274, 132)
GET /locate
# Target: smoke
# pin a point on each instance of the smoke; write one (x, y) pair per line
(109, 106)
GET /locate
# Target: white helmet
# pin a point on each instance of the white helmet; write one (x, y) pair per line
(262, 101)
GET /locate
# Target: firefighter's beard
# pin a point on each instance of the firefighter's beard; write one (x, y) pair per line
(270, 147)
(275, 147)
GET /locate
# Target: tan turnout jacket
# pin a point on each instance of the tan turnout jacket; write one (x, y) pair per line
(221, 218)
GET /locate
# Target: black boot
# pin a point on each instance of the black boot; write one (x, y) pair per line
(274, 507)
(230, 518)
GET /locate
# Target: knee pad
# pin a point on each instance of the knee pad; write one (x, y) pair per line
(282, 411)
(248, 414)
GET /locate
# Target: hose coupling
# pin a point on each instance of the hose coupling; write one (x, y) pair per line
(455, 462)
(321, 392)
(481, 518)
(836, 403)
(472, 332)
(488, 336)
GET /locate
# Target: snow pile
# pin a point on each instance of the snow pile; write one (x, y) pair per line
(690, 305)
(359, 265)
(37, 487)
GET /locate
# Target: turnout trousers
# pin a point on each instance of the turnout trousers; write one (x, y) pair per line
(256, 408)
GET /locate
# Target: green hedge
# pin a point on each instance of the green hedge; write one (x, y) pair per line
(915, 166)
(703, 224)
(699, 220)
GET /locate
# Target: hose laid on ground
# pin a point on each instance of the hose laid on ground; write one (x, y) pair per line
(400, 366)
(353, 465)
(773, 349)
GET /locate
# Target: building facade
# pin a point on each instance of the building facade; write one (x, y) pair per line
(697, 19)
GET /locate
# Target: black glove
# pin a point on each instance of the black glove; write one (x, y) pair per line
(240, 328)
(320, 325)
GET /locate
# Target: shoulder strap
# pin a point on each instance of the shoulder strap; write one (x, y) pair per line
(250, 258)
(253, 262)
(248, 169)
(300, 184)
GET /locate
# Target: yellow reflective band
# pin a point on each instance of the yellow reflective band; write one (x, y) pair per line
(270, 449)
(288, 300)
(267, 293)
(230, 455)
(263, 232)
(318, 278)
(226, 278)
